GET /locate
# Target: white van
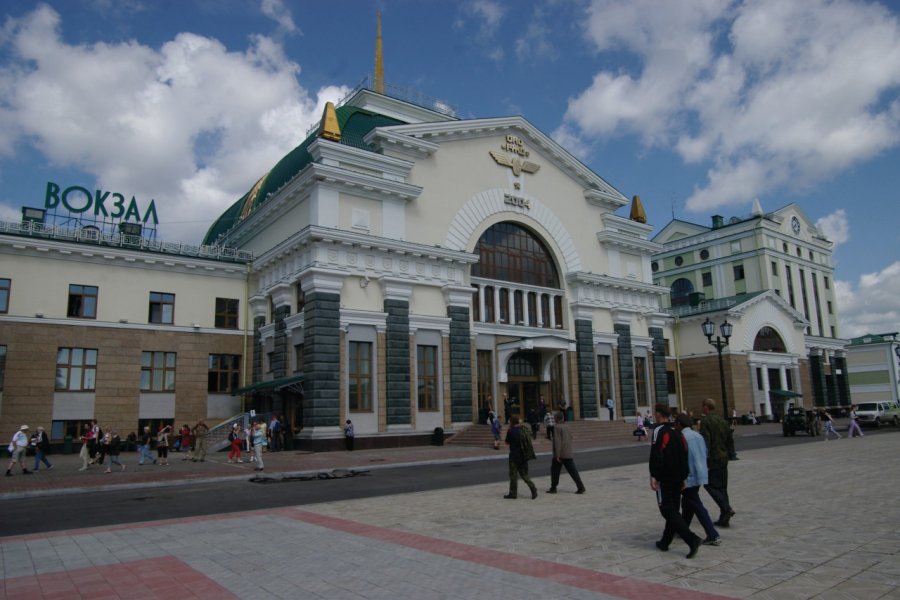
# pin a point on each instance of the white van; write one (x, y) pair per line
(878, 413)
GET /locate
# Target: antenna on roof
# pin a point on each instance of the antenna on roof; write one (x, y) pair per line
(379, 61)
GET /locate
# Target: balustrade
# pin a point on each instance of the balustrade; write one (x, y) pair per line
(512, 304)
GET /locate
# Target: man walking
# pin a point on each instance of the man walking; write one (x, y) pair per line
(521, 451)
(697, 475)
(563, 456)
(715, 432)
(41, 444)
(17, 446)
(611, 407)
(668, 472)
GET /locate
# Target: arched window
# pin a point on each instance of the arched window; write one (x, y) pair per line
(768, 340)
(509, 252)
(681, 292)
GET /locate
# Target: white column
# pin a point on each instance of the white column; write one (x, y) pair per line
(553, 311)
(782, 376)
(524, 307)
(496, 304)
(766, 387)
(511, 300)
(540, 309)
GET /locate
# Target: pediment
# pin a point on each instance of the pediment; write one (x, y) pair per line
(508, 130)
(676, 229)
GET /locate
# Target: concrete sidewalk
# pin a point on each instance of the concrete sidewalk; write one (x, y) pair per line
(66, 478)
(814, 520)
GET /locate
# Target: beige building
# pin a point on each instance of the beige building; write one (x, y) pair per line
(771, 276)
(117, 329)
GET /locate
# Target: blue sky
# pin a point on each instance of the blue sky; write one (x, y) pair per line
(698, 106)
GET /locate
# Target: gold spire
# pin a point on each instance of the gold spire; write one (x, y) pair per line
(329, 129)
(637, 210)
(379, 61)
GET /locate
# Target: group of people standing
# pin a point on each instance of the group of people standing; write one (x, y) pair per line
(253, 438)
(682, 460)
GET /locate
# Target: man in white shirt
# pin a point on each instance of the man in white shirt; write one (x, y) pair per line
(17, 447)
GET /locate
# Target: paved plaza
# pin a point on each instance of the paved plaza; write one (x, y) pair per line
(814, 520)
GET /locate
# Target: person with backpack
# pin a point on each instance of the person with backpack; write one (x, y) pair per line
(668, 472)
(521, 450)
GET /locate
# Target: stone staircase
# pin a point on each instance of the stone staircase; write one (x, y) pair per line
(585, 434)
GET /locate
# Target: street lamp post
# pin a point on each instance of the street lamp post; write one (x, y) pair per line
(709, 328)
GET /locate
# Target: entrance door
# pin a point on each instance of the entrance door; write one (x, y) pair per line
(525, 395)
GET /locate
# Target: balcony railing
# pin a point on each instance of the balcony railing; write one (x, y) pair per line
(508, 303)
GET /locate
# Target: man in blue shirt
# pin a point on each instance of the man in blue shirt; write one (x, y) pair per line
(690, 496)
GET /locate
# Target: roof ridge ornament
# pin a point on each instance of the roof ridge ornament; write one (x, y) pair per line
(637, 210)
(330, 129)
(379, 59)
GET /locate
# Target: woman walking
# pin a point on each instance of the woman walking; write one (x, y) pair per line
(854, 426)
(114, 445)
(162, 445)
(87, 442)
(829, 425)
(41, 447)
(259, 440)
(234, 436)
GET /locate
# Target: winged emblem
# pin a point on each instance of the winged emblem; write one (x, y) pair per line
(517, 166)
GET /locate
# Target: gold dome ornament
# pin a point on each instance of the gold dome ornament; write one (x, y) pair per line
(637, 210)
(329, 129)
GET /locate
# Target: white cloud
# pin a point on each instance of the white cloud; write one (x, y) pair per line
(278, 12)
(487, 15)
(191, 124)
(835, 227)
(771, 93)
(872, 306)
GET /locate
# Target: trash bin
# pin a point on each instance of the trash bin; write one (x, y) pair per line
(437, 438)
(67, 445)
(570, 414)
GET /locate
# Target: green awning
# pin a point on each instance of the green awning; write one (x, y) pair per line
(785, 393)
(293, 381)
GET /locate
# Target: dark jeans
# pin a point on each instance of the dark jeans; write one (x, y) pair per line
(556, 469)
(692, 505)
(718, 488)
(668, 495)
(517, 470)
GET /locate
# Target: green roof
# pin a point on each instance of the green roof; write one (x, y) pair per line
(355, 124)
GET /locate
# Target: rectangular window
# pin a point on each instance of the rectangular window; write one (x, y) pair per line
(830, 308)
(707, 279)
(157, 371)
(604, 378)
(671, 387)
(226, 313)
(489, 304)
(427, 380)
(557, 310)
(76, 369)
(4, 295)
(298, 358)
(359, 384)
(790, 282)
(640, 379)
(818, 302)
(826, 282)
(224, 373)
(485, 377)
(82, 301)
(803, 294)
(504, 305)
(738, 272)
(759, 378)
(162, 308)
(2, 366)
(774, 268)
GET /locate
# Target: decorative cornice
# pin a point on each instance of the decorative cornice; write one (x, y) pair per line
(81, 323)
(322, 280)
(282, 294)
(384, 139)
(429, 322)
(378, 320)
(339, 155)
(259, 306)
(396, 289)
(457, 295)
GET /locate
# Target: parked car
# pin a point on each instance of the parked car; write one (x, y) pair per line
(878, 413)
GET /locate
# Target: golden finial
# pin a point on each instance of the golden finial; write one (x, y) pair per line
(329, 129)
(379, 61)
(637, 210)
